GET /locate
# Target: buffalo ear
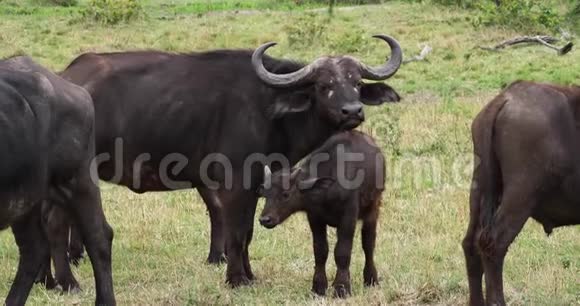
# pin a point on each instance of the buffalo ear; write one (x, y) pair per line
(289, 103)
(378, 93)
(312, 183)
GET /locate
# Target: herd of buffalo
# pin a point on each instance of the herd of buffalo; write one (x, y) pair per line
(61, 133)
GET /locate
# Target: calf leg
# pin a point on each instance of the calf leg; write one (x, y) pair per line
(472, 257)
(515, 208)
(217, 242)
(34, 255)
(369, 234)
(342, 252)
(320, 245)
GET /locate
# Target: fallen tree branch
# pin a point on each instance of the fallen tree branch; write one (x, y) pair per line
(421, 57)
(546, 41)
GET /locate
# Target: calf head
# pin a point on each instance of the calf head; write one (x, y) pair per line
(333, 86)
(289, 192)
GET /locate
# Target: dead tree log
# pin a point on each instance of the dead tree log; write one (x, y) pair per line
(421, 57)
(546, 41)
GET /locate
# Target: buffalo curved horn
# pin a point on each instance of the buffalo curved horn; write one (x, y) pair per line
(267, 176)
(281, 80)
(295, 172)
(390, 68)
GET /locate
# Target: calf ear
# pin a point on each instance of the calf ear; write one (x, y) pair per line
(378, 93)
(290, 103)
(315, 183)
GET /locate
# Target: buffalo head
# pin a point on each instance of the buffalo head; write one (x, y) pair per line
(333, 86)
(289, 192)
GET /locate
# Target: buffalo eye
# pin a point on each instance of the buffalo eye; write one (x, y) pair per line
(285, 195)
(260, 190)
(323, 88)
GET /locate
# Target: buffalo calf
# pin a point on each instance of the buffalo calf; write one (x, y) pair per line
(527, 148)
(336, 185)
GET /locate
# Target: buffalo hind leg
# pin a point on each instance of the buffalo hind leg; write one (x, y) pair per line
(57, 226)
(320, 247)
(369, 235)
(217, 243)
(97, 235)
(515, 208)
(472, 257)
(75, 245)
(45, 276)
(34, 255)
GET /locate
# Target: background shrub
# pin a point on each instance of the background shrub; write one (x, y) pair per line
(113, 11)
(60, 2)
(520, 15)
(308, 28)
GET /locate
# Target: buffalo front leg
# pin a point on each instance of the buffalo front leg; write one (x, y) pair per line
(342, 252)
(217, 243)
(494, 240)
(246, 254)
(239, 208)
(369, 235)
(320, 246)
(472, 257)
(34, 255)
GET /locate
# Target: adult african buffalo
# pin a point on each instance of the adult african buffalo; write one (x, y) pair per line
(226, 112)
(527, 148)
(47, 136)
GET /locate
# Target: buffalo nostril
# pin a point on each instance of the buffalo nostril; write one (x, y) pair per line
(265, 220)
(350, 110)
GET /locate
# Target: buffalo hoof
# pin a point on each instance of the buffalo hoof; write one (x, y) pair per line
(250, 276)
(371, 282)
(217, 259)
(49, 282)
(45, 278)
(74, 290)
(319, 289)
(70, 287)
(371, 279)
(341, 291)
(238, 281)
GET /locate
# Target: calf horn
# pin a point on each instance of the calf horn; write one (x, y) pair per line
(280, 80)
(267, 176)
(390, 68)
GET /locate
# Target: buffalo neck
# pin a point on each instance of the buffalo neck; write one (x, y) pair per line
(304, 132)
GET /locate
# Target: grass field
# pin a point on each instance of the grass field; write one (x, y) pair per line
(161, 239)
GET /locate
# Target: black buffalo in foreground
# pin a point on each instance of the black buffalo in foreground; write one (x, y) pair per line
(336, 185)
(47, 136)
(527, 148)
(211, 120)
